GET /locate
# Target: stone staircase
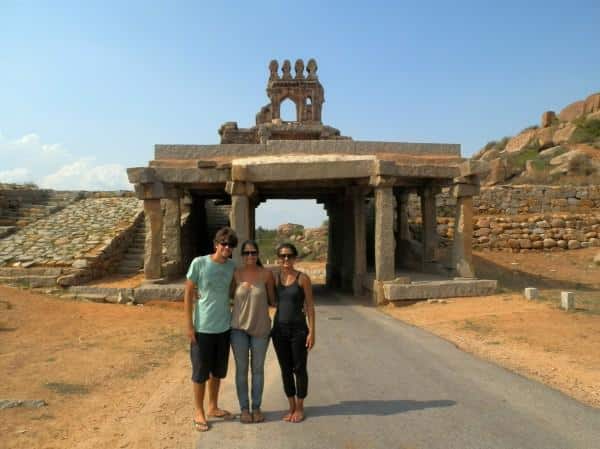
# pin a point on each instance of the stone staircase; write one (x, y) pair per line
(133, 259)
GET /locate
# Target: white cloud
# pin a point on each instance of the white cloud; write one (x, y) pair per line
(28, 139)
(18, 175)
(82, 175)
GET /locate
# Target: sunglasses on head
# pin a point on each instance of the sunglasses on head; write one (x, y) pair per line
(250, 253)
(227, 244)
(286, 256)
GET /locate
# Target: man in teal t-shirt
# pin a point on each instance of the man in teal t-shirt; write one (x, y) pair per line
(208, 317)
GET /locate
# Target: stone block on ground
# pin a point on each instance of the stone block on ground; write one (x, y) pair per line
(532, 293)
(567, 300)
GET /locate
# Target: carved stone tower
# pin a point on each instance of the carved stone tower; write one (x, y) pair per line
(304, 90)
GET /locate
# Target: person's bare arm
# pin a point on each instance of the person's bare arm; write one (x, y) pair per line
(189, 296)
(270, 283)
(309, 307)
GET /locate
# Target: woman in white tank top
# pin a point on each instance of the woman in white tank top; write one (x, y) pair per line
(250, 328)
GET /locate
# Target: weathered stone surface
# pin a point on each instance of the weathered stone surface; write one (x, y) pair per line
(563, 133)
(548, 118)
(520, 141)
(153, 244)
(439, 289)
(572, 111)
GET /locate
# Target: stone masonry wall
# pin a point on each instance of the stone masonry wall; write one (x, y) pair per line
(514, 200)
(525, 218)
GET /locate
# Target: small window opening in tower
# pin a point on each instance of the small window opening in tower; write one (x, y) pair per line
(287, 111)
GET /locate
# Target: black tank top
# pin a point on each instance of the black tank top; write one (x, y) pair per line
(290, 303)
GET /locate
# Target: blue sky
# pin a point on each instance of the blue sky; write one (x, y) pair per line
(87, 88)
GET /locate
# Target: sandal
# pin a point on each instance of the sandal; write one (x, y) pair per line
(201, 426)
(245, 417)
(257, 416)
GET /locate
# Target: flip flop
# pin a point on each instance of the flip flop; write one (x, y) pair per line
(201, 426)
(225, 415)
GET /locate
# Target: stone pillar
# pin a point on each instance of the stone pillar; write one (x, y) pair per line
(384, 235)
(153, 243)
(360, 240)
(334, 243)
(172, 237)
(430, 236)
(462, 250)
(402, 216)
(346, 245)
(240, 211)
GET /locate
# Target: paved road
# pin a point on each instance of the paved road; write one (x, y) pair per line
(378, 383)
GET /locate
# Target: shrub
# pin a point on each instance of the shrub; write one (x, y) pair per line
(587, 131)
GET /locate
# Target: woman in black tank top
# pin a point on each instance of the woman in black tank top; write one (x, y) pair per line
(292, 336)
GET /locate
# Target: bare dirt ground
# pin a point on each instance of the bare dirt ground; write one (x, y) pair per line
(116, 376)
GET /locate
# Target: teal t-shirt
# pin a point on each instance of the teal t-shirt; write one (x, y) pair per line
(212, 314)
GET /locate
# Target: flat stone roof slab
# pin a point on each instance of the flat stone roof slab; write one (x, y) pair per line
(282, 147)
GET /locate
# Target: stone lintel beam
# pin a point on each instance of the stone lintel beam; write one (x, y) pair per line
(191, 175)
(382, 167)
(177, 175)
(473, 167)
(183, 163)
(300, 171)
(156, 190)
(381, 181)
(239, 173)
(471, 179)
(426, 171)
(240, 188)
(463, 190)
(141, 175)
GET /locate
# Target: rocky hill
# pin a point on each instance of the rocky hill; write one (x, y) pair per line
(310, 242)
(564, 148)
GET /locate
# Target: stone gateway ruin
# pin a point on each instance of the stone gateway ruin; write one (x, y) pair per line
(189, 191)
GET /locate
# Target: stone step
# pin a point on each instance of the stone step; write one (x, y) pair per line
(133, 258)
(30, 281)
(128, 271)
(37, 271)
(132, 264)
(439, 289)
(136, 250)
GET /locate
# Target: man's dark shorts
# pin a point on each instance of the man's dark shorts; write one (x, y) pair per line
(210, 356)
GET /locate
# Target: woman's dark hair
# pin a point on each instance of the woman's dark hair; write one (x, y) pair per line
(253, 243)
(289, 246)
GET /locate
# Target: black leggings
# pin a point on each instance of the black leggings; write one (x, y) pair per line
(290, 346)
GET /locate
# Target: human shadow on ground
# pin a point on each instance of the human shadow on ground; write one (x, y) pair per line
(371, 407)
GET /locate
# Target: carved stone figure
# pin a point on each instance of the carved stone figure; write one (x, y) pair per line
(286, 68)
(299, 67)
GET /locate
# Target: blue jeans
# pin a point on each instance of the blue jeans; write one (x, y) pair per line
(243, 346)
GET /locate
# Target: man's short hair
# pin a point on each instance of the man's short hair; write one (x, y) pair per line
(226, 235)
